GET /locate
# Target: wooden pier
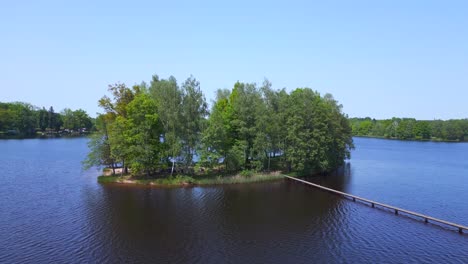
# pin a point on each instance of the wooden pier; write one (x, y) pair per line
(373, 204)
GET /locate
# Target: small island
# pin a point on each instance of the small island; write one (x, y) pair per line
(164, 134)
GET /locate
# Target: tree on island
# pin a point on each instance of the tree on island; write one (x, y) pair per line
(159, 128)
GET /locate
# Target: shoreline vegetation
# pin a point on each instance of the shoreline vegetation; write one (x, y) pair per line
(414, 139)
(19, 120)
(160, 133)
(455, 130)
(46, 136)
(194, 180)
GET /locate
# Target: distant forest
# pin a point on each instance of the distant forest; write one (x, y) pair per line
(411, 129)
(25, 120)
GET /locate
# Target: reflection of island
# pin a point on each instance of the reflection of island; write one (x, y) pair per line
(337, 180)
(146, 225)
(230, 221)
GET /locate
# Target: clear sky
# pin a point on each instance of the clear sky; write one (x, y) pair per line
(378, 58)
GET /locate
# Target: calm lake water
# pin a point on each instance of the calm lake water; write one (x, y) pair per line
(53, 212)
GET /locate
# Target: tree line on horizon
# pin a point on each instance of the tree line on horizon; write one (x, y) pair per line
(411, 129)
(166, 127)
(25, 120)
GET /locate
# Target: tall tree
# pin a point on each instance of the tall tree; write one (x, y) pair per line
(268, 127)
(168, 98)
(42, 119)
(245, 100)
(194, 109)
(143, 134)
(51, 115)
(218, 137)
(116, 115)
(68, 118)
(100, 151)
(319, 135)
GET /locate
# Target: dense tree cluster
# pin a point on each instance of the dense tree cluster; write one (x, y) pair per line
(23, 119)
(410, 128)
(163, 127)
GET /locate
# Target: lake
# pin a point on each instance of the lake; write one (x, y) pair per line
(51, 211)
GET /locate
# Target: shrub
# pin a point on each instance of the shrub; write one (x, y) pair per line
(247, 173)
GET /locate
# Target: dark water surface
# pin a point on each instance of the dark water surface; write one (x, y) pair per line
(53, 212)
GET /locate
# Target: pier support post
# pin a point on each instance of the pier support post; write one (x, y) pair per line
(396, 211)
(354, 199)
(460, 230)
(426, 220)
(373, 205)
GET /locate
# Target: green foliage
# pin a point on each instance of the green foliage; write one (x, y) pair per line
(24, 120)
(258, 177)
(174, 180)
(193, 110)
(99, 152)
(99, 147)
(411, 129)
(184, 180)
(247, 173)
(217, 139)
(75, 120)
(108, 179)
(250, 128)
(168, 98)
(318, 135)
(142, 134)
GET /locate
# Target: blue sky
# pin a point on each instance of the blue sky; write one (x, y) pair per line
(378, 58)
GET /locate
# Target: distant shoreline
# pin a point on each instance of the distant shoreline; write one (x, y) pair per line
(417, 140)
(7, 137)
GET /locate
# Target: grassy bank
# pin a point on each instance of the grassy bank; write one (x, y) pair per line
(182, 180)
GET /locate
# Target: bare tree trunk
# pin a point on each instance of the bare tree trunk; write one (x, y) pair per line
(124, 167)
(173, 164)
(225, 162)
(246, 159)
(190, 161)
(269, 158)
